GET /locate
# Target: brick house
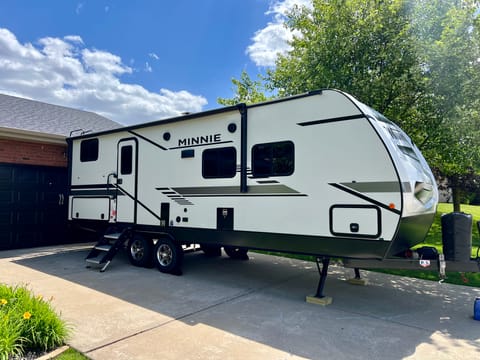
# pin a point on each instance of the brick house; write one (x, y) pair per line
(33, 169)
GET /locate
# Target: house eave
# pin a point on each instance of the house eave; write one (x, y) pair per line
(34, 136)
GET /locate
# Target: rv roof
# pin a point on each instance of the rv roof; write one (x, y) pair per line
(188, 116)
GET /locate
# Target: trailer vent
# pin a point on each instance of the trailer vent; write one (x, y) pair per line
(190, 153)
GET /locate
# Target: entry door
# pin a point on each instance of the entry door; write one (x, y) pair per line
(127, 181)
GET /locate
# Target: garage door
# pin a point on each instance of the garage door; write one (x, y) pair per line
(33, 209)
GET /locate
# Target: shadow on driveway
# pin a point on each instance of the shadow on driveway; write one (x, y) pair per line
(261, 300)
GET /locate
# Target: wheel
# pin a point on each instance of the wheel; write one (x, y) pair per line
(168, 256)
(140, 251)
(236, 252)
(211, 250)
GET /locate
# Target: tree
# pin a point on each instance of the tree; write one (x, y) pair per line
(415, 61)
(362, 47)
(247, 91)
(448, 35)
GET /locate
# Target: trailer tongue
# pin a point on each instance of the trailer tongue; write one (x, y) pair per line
(456, 256)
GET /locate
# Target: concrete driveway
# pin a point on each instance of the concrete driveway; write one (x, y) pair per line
(227, 309)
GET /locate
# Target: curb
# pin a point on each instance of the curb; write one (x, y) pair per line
(54, 353)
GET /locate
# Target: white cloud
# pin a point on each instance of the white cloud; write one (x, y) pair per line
(279, 8)
(65, 72)
(103, 62)
(74, 39)
(268, 43)
(79, 8)
(273, 39)
(148, 68)
(154, 56)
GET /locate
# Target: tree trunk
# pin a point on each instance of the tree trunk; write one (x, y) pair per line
(456, 198)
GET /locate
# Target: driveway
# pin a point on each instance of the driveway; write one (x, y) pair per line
(229, 309)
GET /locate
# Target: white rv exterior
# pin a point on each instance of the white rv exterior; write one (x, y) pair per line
(319, 173)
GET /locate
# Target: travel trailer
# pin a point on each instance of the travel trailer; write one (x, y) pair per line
(319, 173)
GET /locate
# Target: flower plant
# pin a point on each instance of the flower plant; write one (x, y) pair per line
(28, 323)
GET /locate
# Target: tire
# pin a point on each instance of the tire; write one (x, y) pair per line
(236, 252)
(140, 251)
(211, 250)
(168, 256)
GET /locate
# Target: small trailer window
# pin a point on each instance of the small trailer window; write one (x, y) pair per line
(89, 150)
(219, 163)
(273, 159)
(127, 160)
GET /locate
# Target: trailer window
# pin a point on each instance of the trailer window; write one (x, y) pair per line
(127, 160)
(89, 150)
(219, 163)
(273, 159)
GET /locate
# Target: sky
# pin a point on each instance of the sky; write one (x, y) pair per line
(137, 61)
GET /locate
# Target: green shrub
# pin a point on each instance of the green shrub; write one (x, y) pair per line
(11, 341)
(28, 323)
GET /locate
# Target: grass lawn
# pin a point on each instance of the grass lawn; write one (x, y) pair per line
(71, 354)
(434, 237)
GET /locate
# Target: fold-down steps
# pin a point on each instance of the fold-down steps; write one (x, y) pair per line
(104, 251)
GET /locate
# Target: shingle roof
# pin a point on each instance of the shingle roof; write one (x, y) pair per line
(30, 115)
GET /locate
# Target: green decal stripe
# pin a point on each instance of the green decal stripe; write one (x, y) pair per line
(378, 186)
(235, 190)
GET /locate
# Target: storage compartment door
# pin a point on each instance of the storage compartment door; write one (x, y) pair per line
(95, 208)
(355, 221)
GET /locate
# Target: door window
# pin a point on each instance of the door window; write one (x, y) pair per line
(126, 164)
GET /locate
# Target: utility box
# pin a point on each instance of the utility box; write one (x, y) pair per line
(457, 236)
